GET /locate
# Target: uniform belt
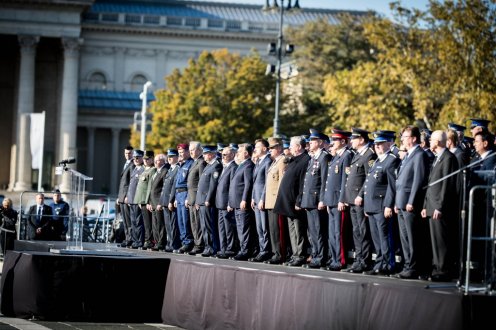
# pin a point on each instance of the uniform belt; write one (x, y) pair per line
(178, 190)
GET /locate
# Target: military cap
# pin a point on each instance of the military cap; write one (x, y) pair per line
(209, 149)
(172, 152)
(233, 146)
(340, 134)
(383, 136)
(285, 144)
(138, 153)
(359, 132)
(479, 122)
(315, 134)
(221, 146)
(468, 139)
(426, 131)
(149, 154)
(183, 146)
(274, 142)
(456, 127)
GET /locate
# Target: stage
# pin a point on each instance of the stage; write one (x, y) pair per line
(108, 284)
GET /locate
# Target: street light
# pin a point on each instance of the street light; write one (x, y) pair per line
(277, 50)
(143, 114)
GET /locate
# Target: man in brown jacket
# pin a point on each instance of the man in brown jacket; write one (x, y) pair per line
(272, 183)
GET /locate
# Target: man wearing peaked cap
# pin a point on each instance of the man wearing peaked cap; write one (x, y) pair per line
(340, 134)
(148, 154)
(137, 230)
(171, 152)
(221, 146)
(205, 200)
(312, 198)
(353, 196)
(141, 198)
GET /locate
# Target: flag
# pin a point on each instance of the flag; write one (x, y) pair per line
(37, 138)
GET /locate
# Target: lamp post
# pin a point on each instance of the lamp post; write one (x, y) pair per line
(278, 52)
(143, 114)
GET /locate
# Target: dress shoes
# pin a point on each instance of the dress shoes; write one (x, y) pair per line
(371, 272)
(273, 261)
(408, 275)
(221, 255)
(230, 253)
(312, 266)
(196, 250)
(334, 268)
(240, 257)
(169, 250)
(295, 263)
(440, 278)
(207, 254)
(185, 249)
(356, 270)
(136, 246)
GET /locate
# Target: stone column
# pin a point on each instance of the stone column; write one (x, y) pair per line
(69, 104)
(114, 160)
(119, 69)
(25, 105)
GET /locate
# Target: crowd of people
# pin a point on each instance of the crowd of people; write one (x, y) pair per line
(293, 202)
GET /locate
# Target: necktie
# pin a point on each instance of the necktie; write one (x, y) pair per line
(38, 218)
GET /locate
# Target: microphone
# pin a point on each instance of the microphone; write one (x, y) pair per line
(70, 160)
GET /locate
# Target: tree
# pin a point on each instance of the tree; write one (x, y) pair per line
(219, 97)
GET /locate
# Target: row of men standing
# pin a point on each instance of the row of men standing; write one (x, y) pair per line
(192, 203)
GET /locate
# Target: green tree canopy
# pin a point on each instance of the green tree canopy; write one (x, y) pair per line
(220, 97)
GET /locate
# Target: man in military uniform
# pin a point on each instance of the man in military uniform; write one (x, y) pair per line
(378, 202)
(141, 197)
(312, 199)
(273, 179)
(181, 193)
(137, 227)
(227, 222)
(334, 197)
(123, 207)
(353, 196)
(166, 202)
(154, 192)
(240, 197)
(195, 151)
(205, 201)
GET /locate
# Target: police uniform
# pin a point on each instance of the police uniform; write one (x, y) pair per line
(312, 195)
(378, 192)
(334, 194)
(356, 173)
(168, 197)
(205, 198)
(181, 193)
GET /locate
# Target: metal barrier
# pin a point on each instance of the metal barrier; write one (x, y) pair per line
(489, 267)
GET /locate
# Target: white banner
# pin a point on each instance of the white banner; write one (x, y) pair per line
(36, 138)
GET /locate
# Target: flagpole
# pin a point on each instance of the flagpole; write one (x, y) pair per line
(40, 171)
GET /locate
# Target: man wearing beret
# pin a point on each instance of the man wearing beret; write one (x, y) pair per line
(334, 197)
(205, 200)
(353, 196)
(312, 199)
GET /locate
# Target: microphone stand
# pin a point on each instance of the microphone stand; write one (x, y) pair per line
(463, 170)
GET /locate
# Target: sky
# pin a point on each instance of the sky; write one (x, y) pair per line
(380, 6)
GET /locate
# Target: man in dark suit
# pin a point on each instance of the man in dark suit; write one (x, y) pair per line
(166, 203)
(410, 192)
(438, 208)
(154, 192)
(195, 150)
(289, 197)
(123, 186)
(205, 200)
(240, 197)
(261, 216)
(353, 197)
(378, 202)
(39, 223)
(312, 199)
(227, 223)
(334, 197)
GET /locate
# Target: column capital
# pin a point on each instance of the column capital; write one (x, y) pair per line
(28, 43)
(71, 46)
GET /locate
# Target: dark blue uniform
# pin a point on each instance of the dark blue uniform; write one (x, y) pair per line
(181, 193)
